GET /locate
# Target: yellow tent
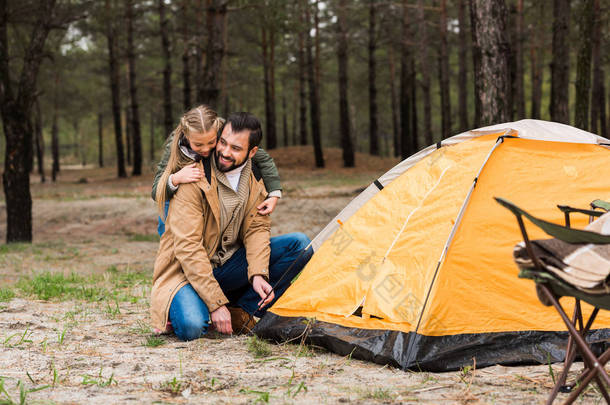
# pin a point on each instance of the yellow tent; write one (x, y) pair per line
(417, 271)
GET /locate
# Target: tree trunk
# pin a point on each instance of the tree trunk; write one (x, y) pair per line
(314, 100)
(413, 104)
(186, 71)
(302, 73)
(295, 112)
(168, 118)
(316, 66)
(519, 37)
(216, 19)
(284, 116)
(405, 88)
(267, 45)
(224, 94)
(15, 109)
(199, 53)
(560, 65)
(100, 138)
(597, 70)
(39, 142)
(114, 90)
(424, 68)
(55, 133)
(444, 74)
(373, 127)
(489, 23)
(512, 60)
(344, 122)
(463, 68)
(128, 135)
(152, 136)
(394, 104)
(536, 62)
(136, 134)
(586, 21)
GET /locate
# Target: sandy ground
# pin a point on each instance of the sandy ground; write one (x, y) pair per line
(101, 351)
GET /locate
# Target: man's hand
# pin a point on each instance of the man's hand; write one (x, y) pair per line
(188, 174)
(267, 206)
(263, 288)
(221, 319)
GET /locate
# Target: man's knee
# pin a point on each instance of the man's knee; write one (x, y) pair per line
(299, 240)
(191, 329)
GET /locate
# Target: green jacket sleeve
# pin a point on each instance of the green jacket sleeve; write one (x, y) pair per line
(269, 172)
(161, 168)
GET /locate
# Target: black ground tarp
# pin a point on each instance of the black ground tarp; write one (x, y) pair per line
(425, 353)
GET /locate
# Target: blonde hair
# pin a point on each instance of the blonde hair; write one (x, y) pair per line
(199, 119)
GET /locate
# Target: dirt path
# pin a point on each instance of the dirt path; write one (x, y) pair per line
(87, 353)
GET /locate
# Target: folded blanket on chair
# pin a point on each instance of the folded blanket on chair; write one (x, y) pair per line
(584, 266)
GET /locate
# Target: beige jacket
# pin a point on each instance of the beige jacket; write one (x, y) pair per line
(192, 235)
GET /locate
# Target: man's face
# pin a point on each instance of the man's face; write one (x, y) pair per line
(232, 149)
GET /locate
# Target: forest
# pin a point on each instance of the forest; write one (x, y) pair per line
(104, 82)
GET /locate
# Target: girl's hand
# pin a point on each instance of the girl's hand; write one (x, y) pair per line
(188, 174)
(267, 206)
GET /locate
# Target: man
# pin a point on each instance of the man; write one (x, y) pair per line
(216, 251)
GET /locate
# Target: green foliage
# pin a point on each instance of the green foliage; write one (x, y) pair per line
(110, 286)
(99, 380)
(6, 294)
(47, 286)
(383, 394)
(154, 341)
(5, 398)
(14, 247)
(259, 348)
(61, 336)
(261, 396)
(172, 386)
(140, 328)
(17, 339)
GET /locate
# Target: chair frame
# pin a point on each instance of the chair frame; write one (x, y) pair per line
(577, 326)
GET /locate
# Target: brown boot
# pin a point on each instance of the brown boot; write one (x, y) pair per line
(241, 321)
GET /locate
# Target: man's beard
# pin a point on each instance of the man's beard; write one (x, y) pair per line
(232, 166)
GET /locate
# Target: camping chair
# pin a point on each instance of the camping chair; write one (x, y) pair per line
(550, 288)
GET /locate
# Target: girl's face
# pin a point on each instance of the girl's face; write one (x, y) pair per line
(202, 143)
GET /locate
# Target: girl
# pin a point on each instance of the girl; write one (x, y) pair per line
(195, 139)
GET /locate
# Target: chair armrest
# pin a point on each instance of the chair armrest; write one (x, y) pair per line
(556, 231)
(567, 210)
(604, 205)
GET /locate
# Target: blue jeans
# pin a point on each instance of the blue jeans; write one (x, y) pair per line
(190, 316)
(161, 224)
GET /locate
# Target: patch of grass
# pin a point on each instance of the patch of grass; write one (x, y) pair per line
(154, 341)
(113, 310)
(140, 237)
(5, 398)
(47, 286)
(140, 328)
(99, 380)
(172, 386)
(61, 336)
(14, 247)
(113, 285)
(20, 338)
(259, 348)
(6, 294)
(261, 396)
(383, 394)
(129, 278)
(293, 390)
